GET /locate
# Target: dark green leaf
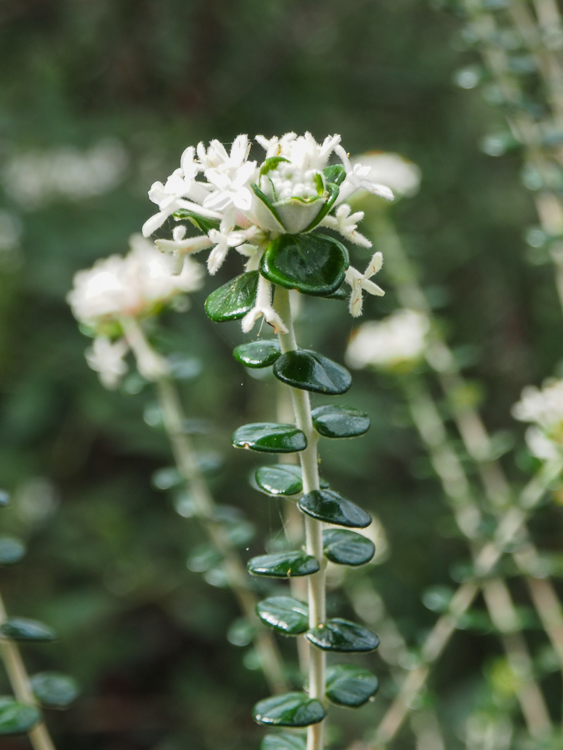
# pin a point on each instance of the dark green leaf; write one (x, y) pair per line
(285, 614)
(203, 558)
(312, 263)
(346, 547)
(203, 223)
(11, 550)
(283, 742)
(328, 506)
(342, 293)
(283, 565)
(348, 685)
(17, 718)
(234, 299)
(54, 690)
(22, 629)
(311, 371)
(340, 421)
(258, 353)
(283, 479)
(344, 636)
(335, 173)
(289, 710)
(270, 437)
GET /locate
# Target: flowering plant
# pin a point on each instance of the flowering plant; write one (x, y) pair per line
(543, 407)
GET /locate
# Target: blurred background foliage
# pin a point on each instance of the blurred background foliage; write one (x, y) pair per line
(97, 100)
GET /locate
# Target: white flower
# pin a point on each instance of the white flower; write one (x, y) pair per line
(346, 223)
(360, 283)
(541, 446)
(543, 407)
(106, 359)
(393, 170)
(263, 308)
(396, 341)
(358, 178)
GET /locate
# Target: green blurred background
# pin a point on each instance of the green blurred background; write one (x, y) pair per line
(98, 98)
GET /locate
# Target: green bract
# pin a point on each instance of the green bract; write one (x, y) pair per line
(258, 353)
(330, 507)
(340, 421)
(283, 565)
(312, 263)
(269, 437)
(346, 547)
(54, 690)
(311, 371)
(348, 685)
(344, 636)
(17, 718)
(22, 629)
(283, 613)
(289, 710)
(234, 299)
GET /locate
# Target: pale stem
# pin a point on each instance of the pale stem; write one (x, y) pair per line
(206, 511)
(19, 680)
(313, 529)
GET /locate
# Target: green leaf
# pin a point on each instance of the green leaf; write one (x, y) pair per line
(348, 685)
(342, 293)
(344, 636)
(234, 299)
(283, 565)
(311, 371)
(17, 718)
(340, 421)
(314, 264)
(289, 710)
(203, 223)
(335, 173)
(346, 547)
(4, 499)
(328, 506)
(258, 353)
(283, 742)
(270, 437)
(11, 550)
(284, 614)
(54, 690)
(283, 479)
(332, 191)
(203, 557)
(22, 629)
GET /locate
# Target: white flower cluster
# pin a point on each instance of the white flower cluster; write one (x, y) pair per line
(244, 205)
(544, 408)
(396, 341)
(120, 289)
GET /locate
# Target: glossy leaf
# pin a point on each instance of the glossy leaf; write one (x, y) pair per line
(270, 437)
(283, 479)
(283, 565)
(17, 718)
(203, 223)
(283, 742)
(284, 614)
(335, 173)
(328, 506)
(54, 690)
(234, 299)
(289, 710)
(342, 293)
(346, 547)
(343, 636)
(258, 353)
(348, 685)
(11, 550)
(22, 629)
(314, 264)
(340, 421)
(311, 371)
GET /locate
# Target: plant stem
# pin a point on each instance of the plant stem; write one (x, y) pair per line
(313, 529)
(19, 680)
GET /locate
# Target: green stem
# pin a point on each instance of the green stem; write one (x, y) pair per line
(313, 529)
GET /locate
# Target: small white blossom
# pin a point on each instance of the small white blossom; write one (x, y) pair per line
(346, 222)
(396, 341)
(106, 358)
(360, 282)
(263, 308)
(393, 170)
(544, 408)
(358, 178)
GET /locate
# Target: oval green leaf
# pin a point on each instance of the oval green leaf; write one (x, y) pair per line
(22, 629)
(283, 479)
(4, 499)
(270, 437)
(283, 565)
(348, 685)
(343, 636)
(17, 718)
(234, 299)
(311, 371)
(258, 353)
(283, 742)
(328, 506)
(11, 550)
(284, 614)
(314, 264)
(346, 547)
(54, 690)
(289, 710)
(340, 421)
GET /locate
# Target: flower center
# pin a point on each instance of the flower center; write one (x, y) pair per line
(288, 181)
